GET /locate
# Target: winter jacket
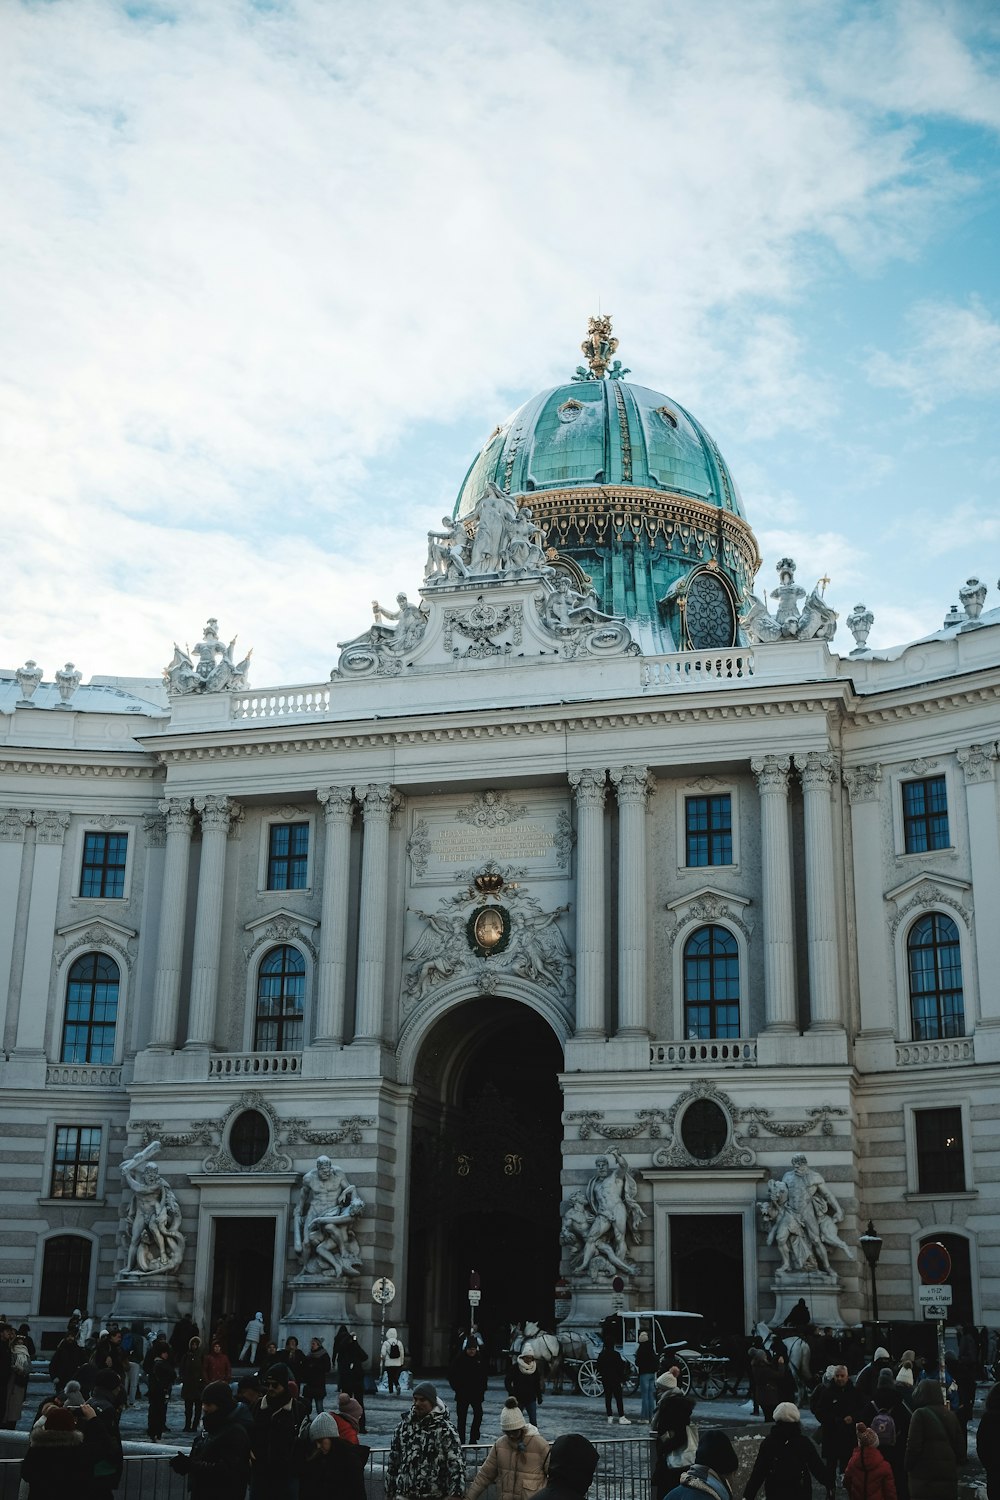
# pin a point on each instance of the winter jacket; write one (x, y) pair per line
(392, 1340)
(670, 1421)
(315, 1368)
(468, 1376)
(934, 1445)
(517, 1469)
(272, 1439)
(55, 1465)
(611, 1367)
(572, 1463)
(65, 1362)
(700, 1480)
(988, 1439)
(831, 1406)
(103, 1457)
(869, 1476)
(192, 1373)
(425, 1458)
(340, 1473)
(217, 1367)
(785, 1462)
(220, 1459)
(523, 1385)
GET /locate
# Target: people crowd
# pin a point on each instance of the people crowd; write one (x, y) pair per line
(891, 1430)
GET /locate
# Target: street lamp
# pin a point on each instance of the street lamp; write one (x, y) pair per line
(871, 1244)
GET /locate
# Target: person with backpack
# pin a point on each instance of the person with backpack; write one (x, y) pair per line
(869, 1476)
(888, 1416)
(787, 1461)
(392, 1355)
(935, 1445)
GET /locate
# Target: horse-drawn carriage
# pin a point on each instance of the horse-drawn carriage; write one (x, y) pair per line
(676, 1338)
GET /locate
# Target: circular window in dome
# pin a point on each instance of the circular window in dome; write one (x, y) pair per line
(710, 620)
(704, 1129)
(249, 1138)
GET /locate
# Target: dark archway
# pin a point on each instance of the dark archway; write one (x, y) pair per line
(484, 1176)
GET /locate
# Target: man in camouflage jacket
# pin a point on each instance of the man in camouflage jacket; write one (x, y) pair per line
(425, 1459)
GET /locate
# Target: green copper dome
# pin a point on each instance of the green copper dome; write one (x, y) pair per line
(635, 497)
(602, 432)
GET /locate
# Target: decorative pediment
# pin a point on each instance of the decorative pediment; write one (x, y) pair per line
(95, 932)
(708, 904)
(953, 884)
(925, 891)
(281, 926)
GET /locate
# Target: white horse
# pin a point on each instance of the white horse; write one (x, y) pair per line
(528, 1338)
(798, 1357)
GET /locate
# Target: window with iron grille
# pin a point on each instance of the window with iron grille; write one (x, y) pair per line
(940, 1151)
(934, 960)
(103, 872)
(75, 1161)
(708, 828)
(281, 989)
(91, 1010)
(711, 984)
(287, 856)
(925, 815)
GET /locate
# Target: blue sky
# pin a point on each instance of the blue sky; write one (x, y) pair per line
(273, 272)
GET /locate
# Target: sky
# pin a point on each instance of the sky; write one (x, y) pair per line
(273, 270)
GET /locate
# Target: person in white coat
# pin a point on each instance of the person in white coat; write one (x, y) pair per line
(392, 1355)
(254, 1333)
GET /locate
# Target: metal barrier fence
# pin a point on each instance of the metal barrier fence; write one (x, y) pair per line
(622, 1474)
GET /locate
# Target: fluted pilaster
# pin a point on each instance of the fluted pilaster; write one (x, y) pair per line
(216, 814)
(978, 764)
(817, 773)
(590, 788)
(377, 803)
(632, 787)
(179, 820)
(331, 985)
(771, 772)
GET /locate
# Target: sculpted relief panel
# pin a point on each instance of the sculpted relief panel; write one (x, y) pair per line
(532, 837)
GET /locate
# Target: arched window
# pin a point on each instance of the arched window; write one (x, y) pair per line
(281, 990)
(91, 1010)
(934, 958)
(711, 984)
(65, 1276)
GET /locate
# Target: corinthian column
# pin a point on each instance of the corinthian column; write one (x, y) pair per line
(776, 869)
(817, 774)
(216, 814)
(173, 904)
(338, 814)
(591, 789)
(633, 785)
(377, 804)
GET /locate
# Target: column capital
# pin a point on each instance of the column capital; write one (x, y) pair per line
(50, 827)
(591, 787)
(633, 784)
(338, 802)
(378, 802)
(771, 772)
(862, 782)
(216, 813)
(178, 814)
(817, 769)
(977, 762)
(14, 824)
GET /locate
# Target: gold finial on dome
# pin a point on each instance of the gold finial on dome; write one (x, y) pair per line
(599, 347)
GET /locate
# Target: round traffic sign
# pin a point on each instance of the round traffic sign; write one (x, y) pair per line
(383, 1291)
(933, 1263)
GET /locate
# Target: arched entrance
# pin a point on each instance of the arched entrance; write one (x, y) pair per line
(484, 1175)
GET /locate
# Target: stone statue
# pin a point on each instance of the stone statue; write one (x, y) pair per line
(28, 678)
(153, 1239)
(972, 597)
(802, 1214)
(67, 680)
(381, 648)
(412, 622)
(606, 1218)
(494, 516)
(565, 609)
(323, 1221)
(815, 620)
(535, 948)
(445, 552)
(208, 667)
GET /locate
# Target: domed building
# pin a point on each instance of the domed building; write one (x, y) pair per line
(591, 920)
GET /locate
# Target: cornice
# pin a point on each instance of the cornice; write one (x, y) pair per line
(900, 703)
(95, 766)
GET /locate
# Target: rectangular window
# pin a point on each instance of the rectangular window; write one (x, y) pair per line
(708, 826)
(76, 1160)
(925, 815)
(103, 873)
(940, 1152)
(287, 856)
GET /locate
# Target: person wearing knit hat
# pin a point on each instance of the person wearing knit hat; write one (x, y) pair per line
(869, 1475)
(669, 1430)
(516, 1462)
(425, 1455)
(787, 1462)
(55, 1464)
(325, 1465)
(72, 1395)
(218, 1466)
(864, 1381)
(715, 1461)
(888, 1414)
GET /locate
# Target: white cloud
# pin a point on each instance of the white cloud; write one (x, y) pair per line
(252, 249)
(954, 351)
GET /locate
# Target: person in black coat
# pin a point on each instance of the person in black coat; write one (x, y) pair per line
(55, 1465)
(218, 1466)
(276, 1422)
(65, 1362)
(613, 1372)
(468, 1378)
(835, 1406)
(315, 1368)
(350, 1360)
(573, 1461)
(524, 1383)
(326, 1465)
(787, 1461)
(668, 1430)
(988, 1442)
(160, 1381)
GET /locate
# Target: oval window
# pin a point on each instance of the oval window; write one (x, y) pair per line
(710, 620)
(249, 1138)
(704, 1130)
